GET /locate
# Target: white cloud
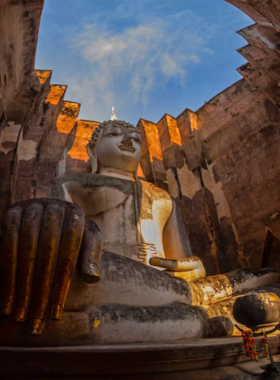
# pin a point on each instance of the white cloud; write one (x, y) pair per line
(122, 68)
(145, 57)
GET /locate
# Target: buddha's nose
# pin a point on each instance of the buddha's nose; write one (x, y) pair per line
(127, 141)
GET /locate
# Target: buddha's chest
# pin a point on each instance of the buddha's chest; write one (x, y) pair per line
(127, 213)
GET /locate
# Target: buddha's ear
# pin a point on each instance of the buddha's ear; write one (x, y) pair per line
(93, 158)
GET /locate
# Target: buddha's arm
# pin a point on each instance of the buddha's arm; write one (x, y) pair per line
(175, 240)
(179, 260)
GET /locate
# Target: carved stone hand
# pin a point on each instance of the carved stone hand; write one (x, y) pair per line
(187, 268)
(41, 241)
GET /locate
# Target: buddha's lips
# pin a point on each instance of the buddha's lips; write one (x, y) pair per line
(126, 148)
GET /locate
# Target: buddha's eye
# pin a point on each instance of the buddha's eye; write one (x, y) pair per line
(113, 134)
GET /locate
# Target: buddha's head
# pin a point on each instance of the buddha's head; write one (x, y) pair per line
(115, 144)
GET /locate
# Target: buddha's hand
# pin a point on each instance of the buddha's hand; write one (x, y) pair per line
(187, 268)
(41, 241)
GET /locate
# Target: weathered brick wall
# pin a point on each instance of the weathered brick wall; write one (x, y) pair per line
(240, 130)
(20, 87)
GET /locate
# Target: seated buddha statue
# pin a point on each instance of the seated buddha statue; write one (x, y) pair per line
(106, 260)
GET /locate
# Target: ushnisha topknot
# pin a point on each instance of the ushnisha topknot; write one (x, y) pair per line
(114, 123)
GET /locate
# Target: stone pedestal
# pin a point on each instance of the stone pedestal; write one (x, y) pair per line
(180, 360)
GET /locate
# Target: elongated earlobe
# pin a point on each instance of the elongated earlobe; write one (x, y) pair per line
(93, 159)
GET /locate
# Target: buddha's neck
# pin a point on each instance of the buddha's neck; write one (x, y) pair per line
(114, 172)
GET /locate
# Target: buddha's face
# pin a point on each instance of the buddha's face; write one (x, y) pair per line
(119, 147)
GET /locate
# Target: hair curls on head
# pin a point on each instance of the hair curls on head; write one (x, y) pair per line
(114, 123)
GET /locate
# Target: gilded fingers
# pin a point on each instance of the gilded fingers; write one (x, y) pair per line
(187, 268)
(142, 253)
(28, 244)
(48, 249)
(73, 229)
(145, 251)
(180, 265)
(91, 251)
(8, 258)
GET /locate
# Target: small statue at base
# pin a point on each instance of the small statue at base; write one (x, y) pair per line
(107, 260)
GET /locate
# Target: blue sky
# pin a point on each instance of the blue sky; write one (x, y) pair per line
(144, 57)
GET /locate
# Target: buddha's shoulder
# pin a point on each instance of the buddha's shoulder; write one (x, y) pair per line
(156, 192)
(89, 181)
